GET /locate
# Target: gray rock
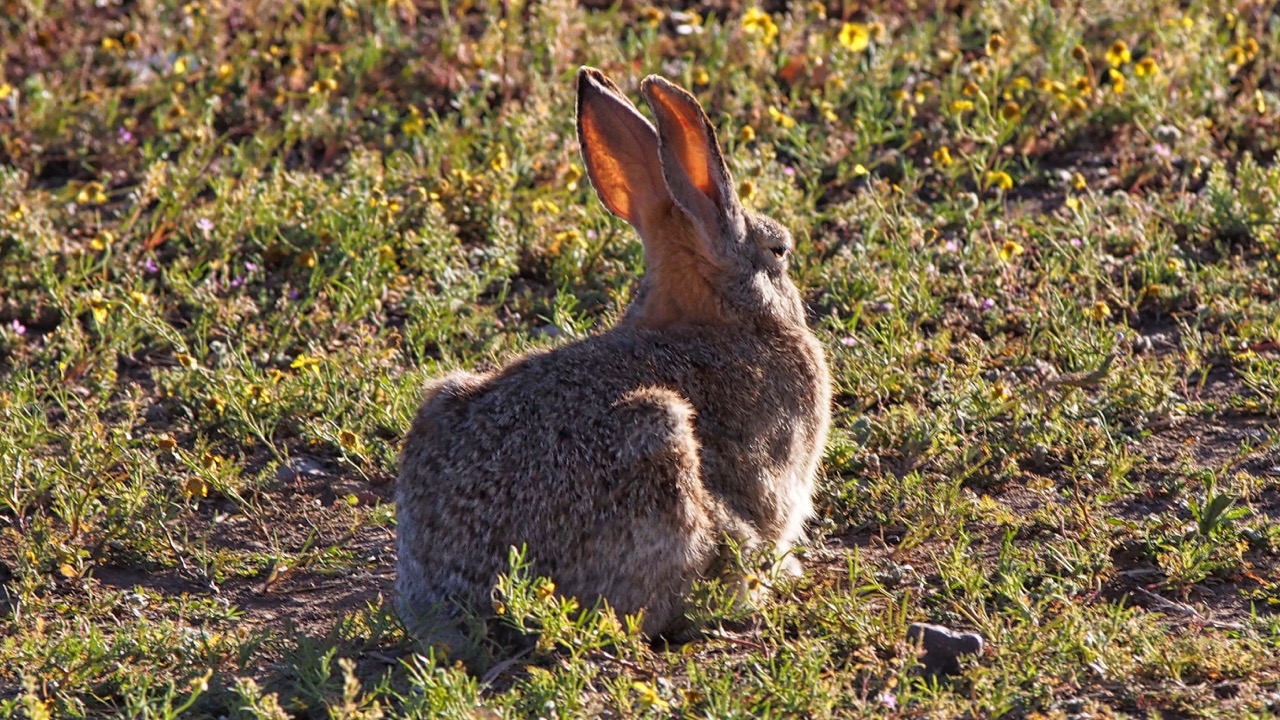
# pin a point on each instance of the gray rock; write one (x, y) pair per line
(941, 647)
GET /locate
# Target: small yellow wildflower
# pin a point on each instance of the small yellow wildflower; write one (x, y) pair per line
(746, 189)
(1082, 85)
(759, 23)
(1146, 67)
(649, 698)
(1250, 49)
(304, 361)
(1010, 250)
(970, 88)
(185, 361)
(960, 106)
(225, 70)
(1259, 102)
(995, 43)
(98, 306)
(701, 76)
(307, 259)
(1098, 311)
(855, 37)
(132, 39)
(5, 91)
(102, 240)
(1118, 54)
(1078, 182)
(651, 16)
(942, 156)
(1010, 110)
(180, 66)
(194, 487)
(110, 44)
(859, 170)
(1000, 180)
(1021, 83)
(386, 254)
(500, 162)
(348, 440)
(746, 134)
(546, 589)
(1073, 203)
(1117, 80)
(781, 119)
(1236, 56)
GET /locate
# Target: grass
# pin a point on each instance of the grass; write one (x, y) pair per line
(1039, 240)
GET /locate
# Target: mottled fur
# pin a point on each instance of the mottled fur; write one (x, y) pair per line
(623, 461)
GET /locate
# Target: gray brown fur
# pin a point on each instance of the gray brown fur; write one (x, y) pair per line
(624, 460)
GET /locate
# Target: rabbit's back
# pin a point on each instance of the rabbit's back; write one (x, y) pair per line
(618, 461)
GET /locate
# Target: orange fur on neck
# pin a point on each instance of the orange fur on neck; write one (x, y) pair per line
(679, 294)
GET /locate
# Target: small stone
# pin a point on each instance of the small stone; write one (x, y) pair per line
(942, 647)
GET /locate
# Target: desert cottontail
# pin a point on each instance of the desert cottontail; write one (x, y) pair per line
(624, 461)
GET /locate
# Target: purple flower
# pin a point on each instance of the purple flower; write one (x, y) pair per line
(1076, 242)
(238, 281)
(848, 341)
(124, 136)
(250, 267)
(204, 225)
(988, 303)
(952, 246)
(150, 266)
(17, 327)
(887, 699)
(293, 294)
(788, 171)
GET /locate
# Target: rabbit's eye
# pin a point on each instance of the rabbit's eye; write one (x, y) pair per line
(778, 251)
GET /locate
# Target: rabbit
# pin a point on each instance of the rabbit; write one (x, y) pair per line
(625, 462)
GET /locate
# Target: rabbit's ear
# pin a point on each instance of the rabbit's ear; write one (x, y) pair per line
(692, 164)
(619, 149)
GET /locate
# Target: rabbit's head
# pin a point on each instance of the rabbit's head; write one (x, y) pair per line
(708, 260)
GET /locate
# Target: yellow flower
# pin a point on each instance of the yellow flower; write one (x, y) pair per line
(855, 37)
(307, 259)
(746, 189)
(1117, 80)
(942, 156)
(5, 91)
(701, 76)
(180, 66)
(1078, 182)
(1000, 179)
(1021, 83)
(651, 16)
(1118, 54)
(1259, 102)
(995, 43)
(970, 88)
(132, 39)
(1010, 250)
(194, 487)
(348, 440)
(111, 44)
(500, 162)
(859, 170)
(546, 589)
(781, 119)
(98, 306)
(1146, 67)
(225, 70)
(102, 240)
(1098, 311)
(649, 698)
(1236, 56)
(1073, 203)
(1010, 110)
(304, 361)
(959, 106)
(759, 23)
(746, 134)
(1082, 85)
(1250, 49)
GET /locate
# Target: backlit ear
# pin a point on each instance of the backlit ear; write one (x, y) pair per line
(619, 149)
(692, 163)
